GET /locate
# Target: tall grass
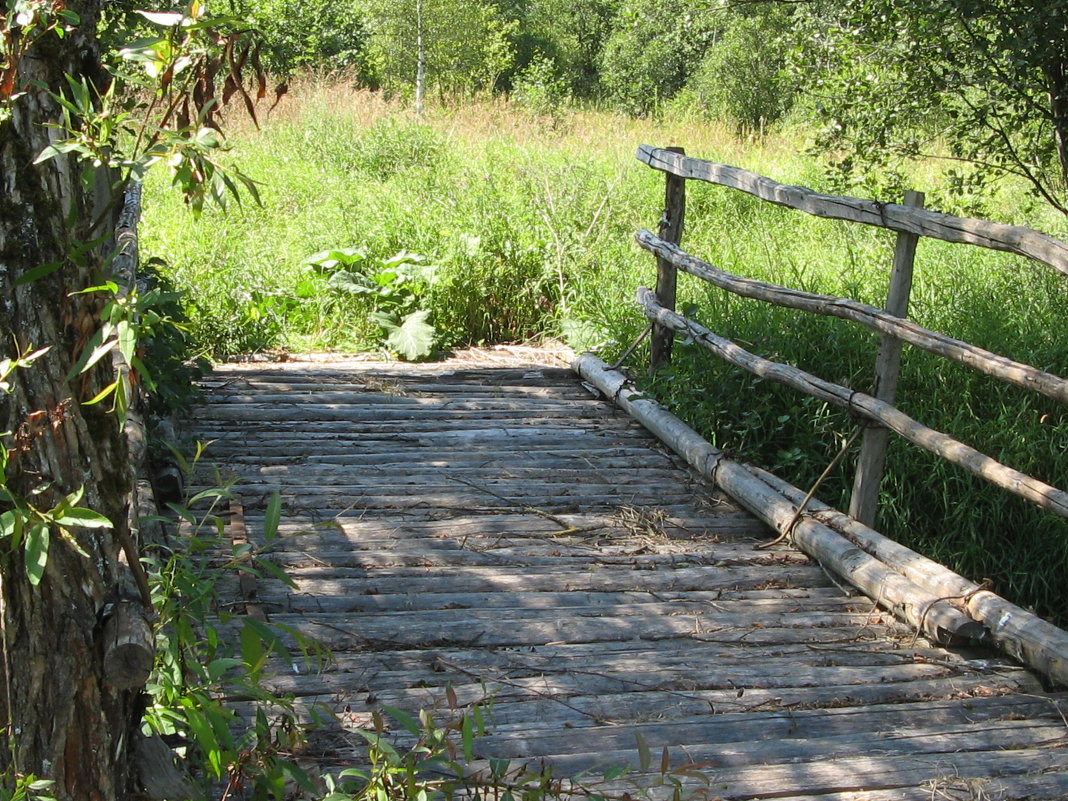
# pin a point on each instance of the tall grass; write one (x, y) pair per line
(530, 221)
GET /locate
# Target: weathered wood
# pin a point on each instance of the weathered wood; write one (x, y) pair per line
(129, 646)
(1019, 632)
(577, 713)
(864, 499)
(1037, 492)
(671, 225)
(584, 624)
(569, 578)
(917, 606)
(996, 236)
(882, 321)
(160, 778)
(679, 678)
(936, 770)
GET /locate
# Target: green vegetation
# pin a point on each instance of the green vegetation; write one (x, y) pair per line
(529, 220)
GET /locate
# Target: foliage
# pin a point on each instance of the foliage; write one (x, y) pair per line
(393, 288)
(983, 80)
(570, 34)
(178, 68)
(22, 24)
(742, 78)
(463, 46)
(205, 652)
(540, 89)
(318, 34)
(653, 50)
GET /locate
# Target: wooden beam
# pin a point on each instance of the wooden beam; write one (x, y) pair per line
(129, 646)
(996, 236)
(979, 464)
(937, 619)
(864, 500)
(992, 364)
(1022, 634)
(671, 224)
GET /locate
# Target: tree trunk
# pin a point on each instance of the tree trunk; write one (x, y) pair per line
(1057, 83)
(63, 721)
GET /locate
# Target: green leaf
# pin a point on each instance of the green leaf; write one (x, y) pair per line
(37, 539)
(252, 651)
(351, 283)
(272, 516)
(273, 570)
(58, 149)
(414, 337)
(467, 731)
(197, 723)
(160, 18)
(38, 272)
(105, 392)
(126, 336)
(645, 757)
(80, 516)
(99, 351)
(11, 524)
(407, 722)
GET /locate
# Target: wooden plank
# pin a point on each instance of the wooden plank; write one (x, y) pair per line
(882, 321)
(920, 608)
(997, 236)
(797, 724)
(533, 629)
(866, 773)
(1032, 489)
(327, 580)
(577, 713)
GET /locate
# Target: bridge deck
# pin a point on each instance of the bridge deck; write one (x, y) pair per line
(498, 533)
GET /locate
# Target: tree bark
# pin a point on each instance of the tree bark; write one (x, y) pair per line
(63, 720)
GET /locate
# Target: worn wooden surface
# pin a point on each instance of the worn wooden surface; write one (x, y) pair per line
(502, 533)
(884, 322)
(936, 225)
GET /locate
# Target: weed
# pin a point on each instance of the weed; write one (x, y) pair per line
(205, 653)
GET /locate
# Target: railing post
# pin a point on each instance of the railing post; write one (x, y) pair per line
(864, 501)
(666, 274)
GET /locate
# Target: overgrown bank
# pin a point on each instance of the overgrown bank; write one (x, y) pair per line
(527, 223)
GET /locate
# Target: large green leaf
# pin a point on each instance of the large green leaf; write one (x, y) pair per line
(414, 338)
(351, 282)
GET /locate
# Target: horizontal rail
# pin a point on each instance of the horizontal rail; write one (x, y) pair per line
(935, 616)
(984, 233)
(979, 464)
(1024, 635)
(965, 353)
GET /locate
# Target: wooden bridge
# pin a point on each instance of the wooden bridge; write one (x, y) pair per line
(462, 533)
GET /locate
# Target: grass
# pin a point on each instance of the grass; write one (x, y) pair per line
(530, 222)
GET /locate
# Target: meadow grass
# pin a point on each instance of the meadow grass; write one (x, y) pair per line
(530, 221)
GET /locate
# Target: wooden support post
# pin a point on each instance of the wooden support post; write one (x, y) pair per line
(864, 502)
(666, 273)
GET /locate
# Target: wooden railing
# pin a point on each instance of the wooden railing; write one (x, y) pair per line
(911, 221)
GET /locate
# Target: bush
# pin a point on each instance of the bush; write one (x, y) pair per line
(742, 79)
